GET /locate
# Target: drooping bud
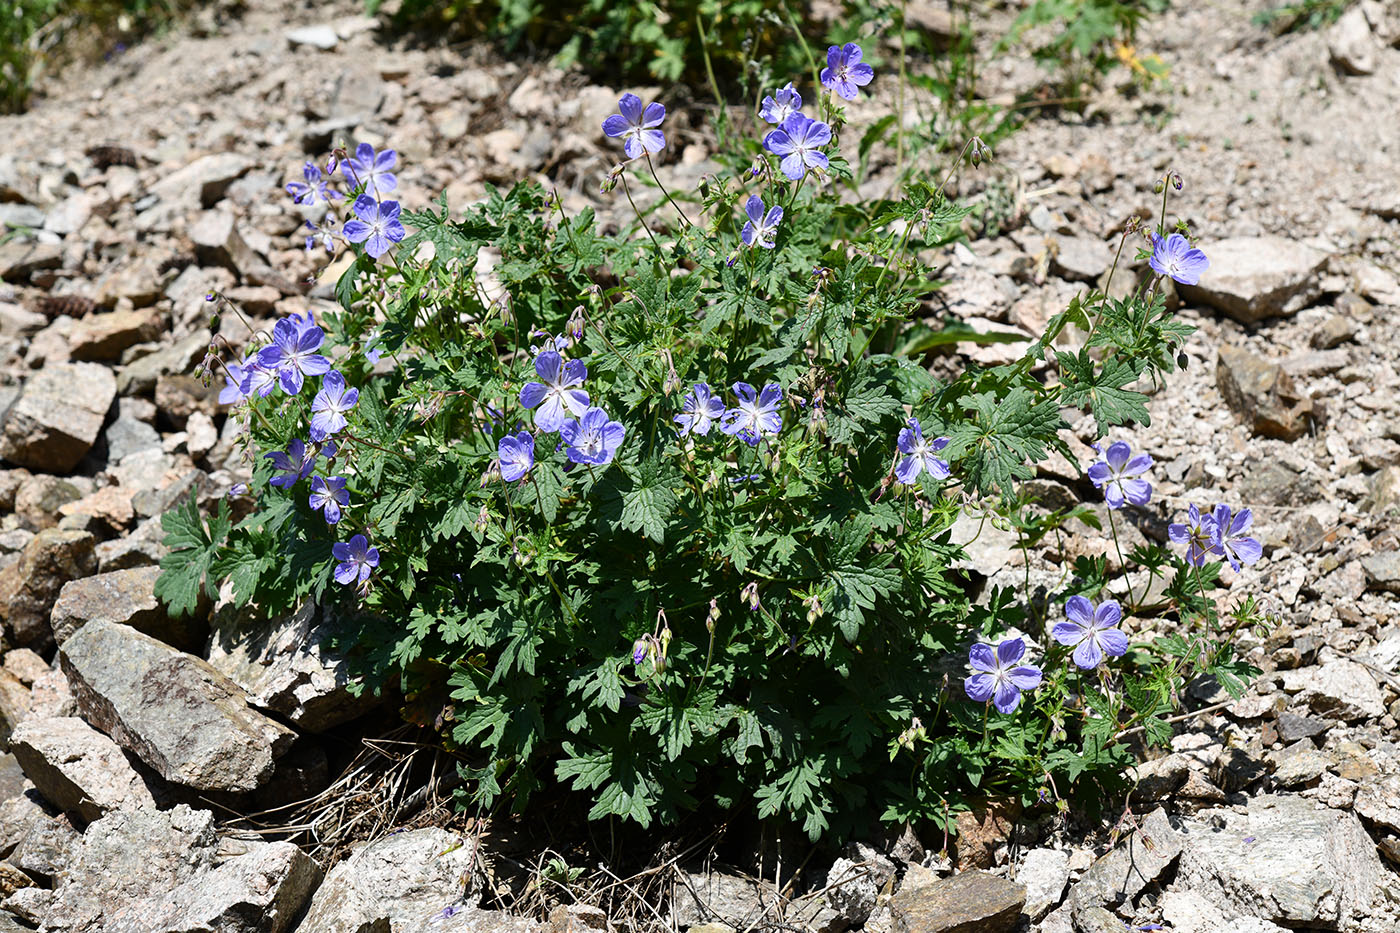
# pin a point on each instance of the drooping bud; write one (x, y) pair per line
(979, 151)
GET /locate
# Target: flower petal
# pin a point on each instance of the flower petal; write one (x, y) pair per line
(1012, 649)
(1080, 610)
(979, 687)
(982, 657)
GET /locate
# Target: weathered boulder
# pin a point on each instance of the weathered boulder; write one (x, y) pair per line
(125, 858)
(287, 665)
(15, 705)
(58, 417)
(1252, 278)
(30, 587)
(181, 717)
(855, 880)
(1285, 861)
(396, 883)
(969, 902)
(260, 891)
(1263, 394)
(139, 376)
(127, 597)
(77, 768)
(39, 498)
(126, 436)
(1382, 570)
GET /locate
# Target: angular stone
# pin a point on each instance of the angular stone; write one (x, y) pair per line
(1284, 861)
(1080, 258)
(1341, 689)
(203, 182)
(1378, 802)
(217, 242)
(709, 897)
(29, 588)
(77, 768)
(47, 848)
(40, 497)
(110, 506)
(126, 857)
(1044, 874)
(19, 259)
(395, 883)
(1189, 912)
(1301, 766)
(139, 377)
(15, 705)
(178, 396)
(184, 719)
(1263, 394)
(69, 215)
(15, 321)
(126, 436)
(287, 665)
(1292, 727)
(1382, 571)
(260, 891)
(26, 665)
(1235, 769)
(126, 597)
(321, 37)
(1252, 278)
(855, 880)
(969, 902)
(57, 419)
(1351, 45)
(1121, 874)
(103, 337)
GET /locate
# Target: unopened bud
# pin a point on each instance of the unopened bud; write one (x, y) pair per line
(980, 151)
(214, 323)
(749, 594)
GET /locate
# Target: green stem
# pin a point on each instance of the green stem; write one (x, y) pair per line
(628, 191)
(1113, 524)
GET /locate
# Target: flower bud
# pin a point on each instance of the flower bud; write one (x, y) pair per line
(980, 151)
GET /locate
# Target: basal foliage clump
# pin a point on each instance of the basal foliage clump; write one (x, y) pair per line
(662, 515)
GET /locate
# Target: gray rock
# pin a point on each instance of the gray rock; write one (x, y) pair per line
(1097, 920)
(30, 587)
(181, 717)
(40, 497)
(708, 897)
(126, 597)
(1263, 394)
(1378, 802)
(1351, 45)
(1189, 912)
(57, 419)
(126, 857)
(1121, 874)
(1292, 727)
(1252, 278)
(1044, 874)
(1382, 571)
(1283, 861)
(77, 768)
(18, 216)
(16, 321)
(139, 377)
(855, 880)
(27, 666)
(969, 902)
(103, 337)
(1340, 689)
(1160, 777)
(287, 665)
(200, 434)
(393, 884)
(217, 242)
(126, 436)
(321, 37)
(69, 215)
(1299, 766)
(1081, 258)
(1235, 769)
(203, 182)
(261, 891)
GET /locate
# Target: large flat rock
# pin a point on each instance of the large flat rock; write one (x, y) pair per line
(184, 719)
(968, 902)
(1285, 861)
(1253, 278)
(127, 597)
(58, 417)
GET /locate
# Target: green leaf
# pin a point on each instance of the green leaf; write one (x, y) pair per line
(193, 550)
(1004, 433)
(648, 504)
(1102, 390)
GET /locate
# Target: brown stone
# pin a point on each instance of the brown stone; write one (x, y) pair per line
(1263, 394)
(103, 337)
(29, 588)
(970, 902)
(58, 417)
(980, 832)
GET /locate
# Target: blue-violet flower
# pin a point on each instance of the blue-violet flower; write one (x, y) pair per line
(1093, 632)
(755, 415)
(292, 355)
(845, 73)
(1197, 533)
(998, 677)
(376, 225)
(296, 462)
(329, 496)
(1177, 258)
(592, 438)
(783, 104)
(329, 406)
(517, 455)
(556, 393)
(798, 143)
(373, 171)
(1115, 474)
(1231, 539)
(357, 560)
(699, 410)
(637, 127)
(919, 454)
(313, 189)
(761, 229)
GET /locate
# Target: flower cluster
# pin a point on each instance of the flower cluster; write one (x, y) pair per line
(589, 437)
(375, 222)
(1223, 533)
(754, 416)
